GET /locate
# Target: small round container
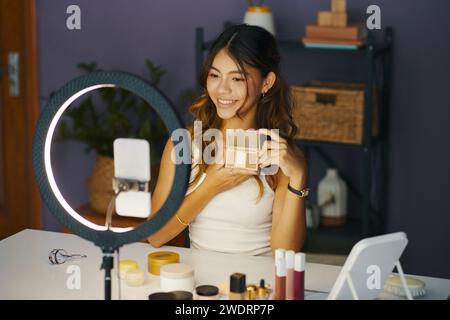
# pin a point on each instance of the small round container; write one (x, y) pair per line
(207, 292)
(125, 266)
(162, 296)
(177, 277)
(182, 295)
(135, 277)
(160, 258)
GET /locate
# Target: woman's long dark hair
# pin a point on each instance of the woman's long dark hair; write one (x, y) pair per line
(250, 46)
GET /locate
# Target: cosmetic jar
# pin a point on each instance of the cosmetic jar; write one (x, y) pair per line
(176, 277)
(160, 258)
(135, 277)
(207, 292)
(182, 295)
(162, 296)
(125, 266)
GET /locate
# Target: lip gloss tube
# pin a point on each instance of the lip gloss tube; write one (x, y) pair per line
(299, 276)
(279, 254)
(290, 275)
(280, 280)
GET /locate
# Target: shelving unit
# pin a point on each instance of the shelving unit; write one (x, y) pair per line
(370, 222)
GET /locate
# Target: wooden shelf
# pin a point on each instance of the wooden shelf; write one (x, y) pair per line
(377, 71)
(182, 240)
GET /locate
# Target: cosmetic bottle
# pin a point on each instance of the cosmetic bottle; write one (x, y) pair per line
(237, 286)
(280, 280)
(279, 254)
(263, 291)
(252, 292)
(299, 276)
(290, 275)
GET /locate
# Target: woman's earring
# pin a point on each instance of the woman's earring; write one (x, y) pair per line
(263, 94)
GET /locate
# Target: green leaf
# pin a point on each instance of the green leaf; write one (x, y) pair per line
(155, 72)
(119, 113)
(87, 67)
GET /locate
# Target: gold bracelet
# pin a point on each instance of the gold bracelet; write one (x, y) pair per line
(181, 221)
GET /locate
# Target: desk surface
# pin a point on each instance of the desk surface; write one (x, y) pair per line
(25, 272)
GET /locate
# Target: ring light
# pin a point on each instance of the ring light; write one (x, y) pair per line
(108, 240)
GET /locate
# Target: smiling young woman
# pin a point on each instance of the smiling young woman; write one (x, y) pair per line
(235, 210)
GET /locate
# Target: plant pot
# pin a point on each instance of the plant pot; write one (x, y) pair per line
(260, 16)
(100, 183)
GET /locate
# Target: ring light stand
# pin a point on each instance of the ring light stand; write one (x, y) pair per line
(107, 239)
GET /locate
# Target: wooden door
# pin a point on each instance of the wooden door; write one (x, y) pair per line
(20, 205)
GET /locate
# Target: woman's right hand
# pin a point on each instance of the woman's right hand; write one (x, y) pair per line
(219, 179)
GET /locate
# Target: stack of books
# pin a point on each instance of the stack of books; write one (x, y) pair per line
(336, 17)
(332, 37)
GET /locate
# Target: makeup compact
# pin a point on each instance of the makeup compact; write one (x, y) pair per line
(182, 295)
(242, 149)
(162, 296)
(160, 258)
(177, 277)
(207, 292)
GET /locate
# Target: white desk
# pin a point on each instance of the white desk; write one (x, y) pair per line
(25, 272)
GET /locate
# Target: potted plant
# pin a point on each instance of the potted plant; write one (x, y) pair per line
(103, 116)
(259, 15)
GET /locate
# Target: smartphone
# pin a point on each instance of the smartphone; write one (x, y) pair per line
(132, 164)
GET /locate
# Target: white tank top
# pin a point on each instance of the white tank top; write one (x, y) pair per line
(234, 221)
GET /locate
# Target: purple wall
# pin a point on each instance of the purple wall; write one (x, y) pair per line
(121, 34)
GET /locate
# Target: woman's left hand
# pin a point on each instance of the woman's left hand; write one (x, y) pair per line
(278, 152)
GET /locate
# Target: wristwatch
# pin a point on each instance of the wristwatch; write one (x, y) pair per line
(301, 193)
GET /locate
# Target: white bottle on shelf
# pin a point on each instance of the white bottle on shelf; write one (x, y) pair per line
(332, 199)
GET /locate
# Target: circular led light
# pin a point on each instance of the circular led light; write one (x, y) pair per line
(48, 188)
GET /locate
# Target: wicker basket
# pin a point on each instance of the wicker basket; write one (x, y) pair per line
(100, 184)
(331, 112)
